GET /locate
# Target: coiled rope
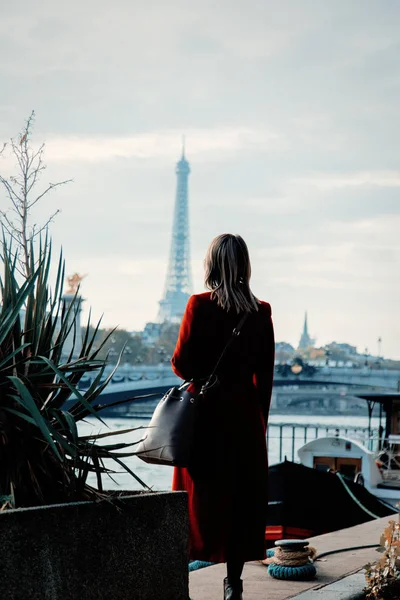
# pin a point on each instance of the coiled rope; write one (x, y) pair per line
(294, 558)
(291, 560)
(281, 566)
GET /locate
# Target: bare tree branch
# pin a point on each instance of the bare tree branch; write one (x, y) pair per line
(16, 201)
(45, 226)
(51, 187)
(37, 155)
(10, 232)
(11, 224)
(21, 191)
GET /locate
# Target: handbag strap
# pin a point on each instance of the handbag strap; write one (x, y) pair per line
(235, 333)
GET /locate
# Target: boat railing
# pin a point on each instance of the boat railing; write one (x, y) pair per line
(388, 459)
(285, 439)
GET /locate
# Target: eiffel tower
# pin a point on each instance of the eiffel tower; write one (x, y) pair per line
(178, 284)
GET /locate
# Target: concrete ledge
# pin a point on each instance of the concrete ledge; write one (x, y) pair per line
(134, 548)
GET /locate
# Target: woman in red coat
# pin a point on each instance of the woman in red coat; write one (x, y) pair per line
(227, 481)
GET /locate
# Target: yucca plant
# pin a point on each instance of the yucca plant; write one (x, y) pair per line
(43, 459)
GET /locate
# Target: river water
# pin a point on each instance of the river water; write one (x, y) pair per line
(159, 477)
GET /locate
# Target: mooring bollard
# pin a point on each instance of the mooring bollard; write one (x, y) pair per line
(291, 559)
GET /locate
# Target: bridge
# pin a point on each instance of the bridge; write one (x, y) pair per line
(145, 384)
(379, 379)
(141, 377)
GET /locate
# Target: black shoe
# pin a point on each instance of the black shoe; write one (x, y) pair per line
(233, 591)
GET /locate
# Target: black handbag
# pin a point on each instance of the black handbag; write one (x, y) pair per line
(170, 434)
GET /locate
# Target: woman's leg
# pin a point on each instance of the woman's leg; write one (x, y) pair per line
(233, 586)
(234, 568)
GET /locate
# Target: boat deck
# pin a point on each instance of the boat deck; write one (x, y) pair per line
(206, 584)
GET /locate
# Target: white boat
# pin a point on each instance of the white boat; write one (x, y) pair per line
(377, 467)
(375, 470)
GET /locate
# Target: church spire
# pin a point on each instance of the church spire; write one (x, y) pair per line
(305, 340)
(305, 328)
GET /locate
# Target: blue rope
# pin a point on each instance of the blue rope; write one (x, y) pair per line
(199, 564)
(296, 573)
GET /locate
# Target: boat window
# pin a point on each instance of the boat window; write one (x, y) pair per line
(324, 463)
(322, 467)
(348, 471)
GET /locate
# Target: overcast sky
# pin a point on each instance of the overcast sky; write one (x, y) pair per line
(292, 121)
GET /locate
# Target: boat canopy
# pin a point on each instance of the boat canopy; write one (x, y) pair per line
(390, 403)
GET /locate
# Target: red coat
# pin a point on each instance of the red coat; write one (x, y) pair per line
(227, 484)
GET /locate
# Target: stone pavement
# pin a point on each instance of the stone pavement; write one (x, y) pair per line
(206, 584)
(348, 588)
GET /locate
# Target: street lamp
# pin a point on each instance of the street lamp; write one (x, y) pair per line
(127, 354)
(379, 346)
(366, 354)
(327, 354)
(112, 352)
(162, 354)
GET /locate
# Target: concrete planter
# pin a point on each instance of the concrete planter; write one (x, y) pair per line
(132, 549)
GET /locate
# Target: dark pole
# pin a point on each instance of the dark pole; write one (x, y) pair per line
(370, 410)
(380, 431)
(388, 409)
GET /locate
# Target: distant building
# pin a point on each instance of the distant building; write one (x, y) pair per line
(341, 351)
(283, 351)
(305, 341)
(347, 348)
(284, 347)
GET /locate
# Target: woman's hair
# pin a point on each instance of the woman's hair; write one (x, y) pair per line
(227, 273)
